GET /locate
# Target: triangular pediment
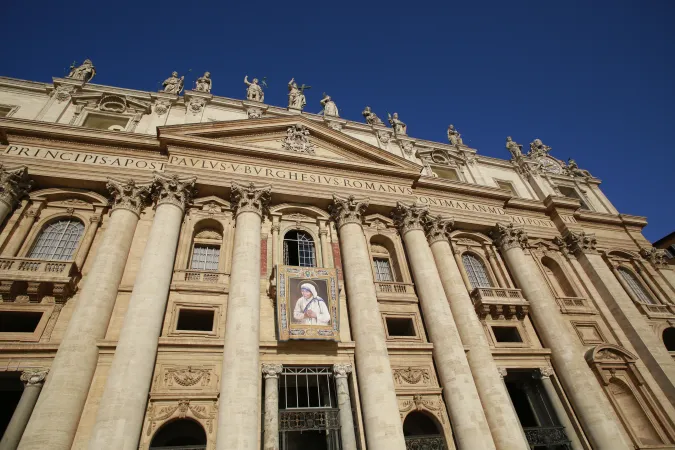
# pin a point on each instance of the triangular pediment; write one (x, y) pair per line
(295, 138)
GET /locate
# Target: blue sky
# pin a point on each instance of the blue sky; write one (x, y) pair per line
(594, 80)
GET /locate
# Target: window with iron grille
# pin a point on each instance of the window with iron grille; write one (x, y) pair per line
(383, 269)
(205, 257)
(307, 387)
(475, 270)
(58, 240)
(636, 286)
(299, 249)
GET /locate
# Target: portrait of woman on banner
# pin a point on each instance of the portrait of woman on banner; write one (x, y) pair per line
(310, 309)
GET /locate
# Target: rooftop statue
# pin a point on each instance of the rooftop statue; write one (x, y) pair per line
(538, 148)
(371, 117)
(173, 84)
(254, 91)
(329, 106)
(204, 83)
(573, 170)
(84, 72)
(454, 137)
(296, 95)
(514, 147)
(398, 126)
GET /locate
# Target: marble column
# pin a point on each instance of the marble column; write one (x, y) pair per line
(87, 240)
(55, 419)
(495, 400)
(544, 376)
(271, 427)
(381, 418)
(33, 381)
(238, 412)
(588, 399)
(467, 415)
(122, 407)
(14, 184)
(341, 373)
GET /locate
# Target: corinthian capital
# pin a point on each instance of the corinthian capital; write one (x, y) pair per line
(14, 184)
(34, 376)
(408, 218)
(251, 198)
(508, 236)
(347, 210)
(128, 195)
(438, 228)
(272, 370)
(342, 370)
(656, 256)
(170, 189)
(581, 242)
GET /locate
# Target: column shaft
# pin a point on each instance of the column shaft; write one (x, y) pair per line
(560, 411)
(271, 427)
(502, 419)
(5, 209)
(122, 407)
(26, 224)
(17, 424)
(57, 415)
(87, 240)
(492, 260)
(347, 434)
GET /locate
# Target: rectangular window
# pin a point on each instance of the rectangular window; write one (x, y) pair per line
(205, 257)
(448, 174)
(195, 319)
(383, 269)
(508, 186)
(400, 327)
(19, 321)
(106, 122)
(506, 334)
(5, 110)
(570, 192)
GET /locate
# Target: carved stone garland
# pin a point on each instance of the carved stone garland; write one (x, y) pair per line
(251, 198)
(14, 184)
(411, 375)
(346, 210)
(173, 190)
(128, 195)
(187, 376)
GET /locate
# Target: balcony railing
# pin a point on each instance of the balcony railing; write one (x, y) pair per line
(42, 277)
(428, 442)
(304, 419)
(548, 437)
(391, 287)
(209, 279)
(498, 302)
(657, 311)
(574, 305)
(30, 268)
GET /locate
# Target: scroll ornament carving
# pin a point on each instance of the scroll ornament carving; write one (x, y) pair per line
(250, 198)
(170, 189)
(63, 93)
(408, 218)
(196, 105)
(419, 403)
(407, 147)
(187, 376)
(112, 103)
(342, 370)
(508, 236)
(410, 375)
(128, 195)
(161, 108)
(14, 184)
(384, 137)
(297, 140)
(34, 376)
(438, 228)
(656, 256)
(346, 210)
(183, 408)
(334, 125)
(255, 113)
(209, 233)
(271, 370)
(581, 242)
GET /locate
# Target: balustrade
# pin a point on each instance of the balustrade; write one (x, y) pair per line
(572, 305)
(549, 437)
(499, 302)
(42, 276)
(430, 442)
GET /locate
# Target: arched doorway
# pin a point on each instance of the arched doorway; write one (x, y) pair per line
(669, 339)
(421, 431)
(182, 433)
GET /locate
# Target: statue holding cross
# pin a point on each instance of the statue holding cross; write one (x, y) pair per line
(296, 95)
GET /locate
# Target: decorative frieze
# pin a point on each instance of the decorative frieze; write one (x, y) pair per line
(251, 198)
(508, 236)
(14, 184)
(438, 228)
(346, 210)
(411, 376)
(171, 189)
(581, 242)
(128, 195)
(187, 376)
(408, 218)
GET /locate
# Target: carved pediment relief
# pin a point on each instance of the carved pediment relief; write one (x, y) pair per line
(609, 354)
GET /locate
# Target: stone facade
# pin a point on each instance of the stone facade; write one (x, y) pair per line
(482, 303)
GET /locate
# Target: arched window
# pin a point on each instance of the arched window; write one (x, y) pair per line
(206, 249)
(299, 249)
(381, 263)
(58, 240)
(669, 338)
(558, 279)
(181, 434)
(476, 271)
(635, 286)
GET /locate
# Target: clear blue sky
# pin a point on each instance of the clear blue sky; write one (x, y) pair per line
(595, 80)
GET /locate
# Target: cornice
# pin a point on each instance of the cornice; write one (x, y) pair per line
(439, 184)
(33, 86)
(598, 217)
(561, 204)
(526, 204)
(628, 219)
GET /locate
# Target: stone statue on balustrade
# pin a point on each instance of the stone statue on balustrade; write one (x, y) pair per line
(84, 72)
(173, 84)
(371, 117)
(573, 170)
(398, 125)
(454, 137)
(204, 83)
(296, 95)
(514, 147)
(254, 91)
(329, 106)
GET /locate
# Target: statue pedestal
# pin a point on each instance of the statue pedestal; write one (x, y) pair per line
(334, 123)
(255, 110)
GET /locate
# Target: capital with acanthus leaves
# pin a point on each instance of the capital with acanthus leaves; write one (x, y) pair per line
(346, 210)
(654, 255)
(508, 236)
(249, 198)
(171, 189)
(14, 184)
(342, 370)
(438, 228)
(128, 195)
(581, 242)
(409, 217)
(34, 376)
(271, 370)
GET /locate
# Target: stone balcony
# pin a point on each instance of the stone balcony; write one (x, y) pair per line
(393, 291)
(657, 311)
(37, 278)
(200, 280)
(499, 302)
(574, 305)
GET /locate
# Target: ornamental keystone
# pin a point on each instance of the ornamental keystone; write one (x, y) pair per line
(272, 370)
(508, 236)
(170, 189)
(581, 242)
(408, 218)
(342, 370)
(128, 195)
(14, 184)
(251, 198)
(438, 228)
(347, 210)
